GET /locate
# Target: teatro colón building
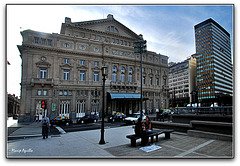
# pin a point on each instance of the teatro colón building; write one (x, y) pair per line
(64, 70)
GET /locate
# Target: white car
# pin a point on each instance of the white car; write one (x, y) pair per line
(134, 118)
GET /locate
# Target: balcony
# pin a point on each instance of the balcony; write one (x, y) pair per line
(42, 81)
(123, 85)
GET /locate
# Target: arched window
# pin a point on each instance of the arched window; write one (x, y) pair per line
(123, 70)
(114, 69)
(112, 29)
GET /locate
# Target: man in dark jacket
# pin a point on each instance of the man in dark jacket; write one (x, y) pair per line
(45, 127)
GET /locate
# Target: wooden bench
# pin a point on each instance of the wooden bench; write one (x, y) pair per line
(134, 137)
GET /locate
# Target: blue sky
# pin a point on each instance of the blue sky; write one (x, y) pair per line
(168, 29)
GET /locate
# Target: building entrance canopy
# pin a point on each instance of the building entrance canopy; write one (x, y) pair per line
(127, 103)
(125, 96)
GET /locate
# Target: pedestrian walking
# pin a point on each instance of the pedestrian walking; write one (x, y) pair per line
(45, 127)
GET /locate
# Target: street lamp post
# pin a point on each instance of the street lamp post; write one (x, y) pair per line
(140, 47)
(104, 74)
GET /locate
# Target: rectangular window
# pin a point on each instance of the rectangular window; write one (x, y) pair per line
(64, 108)
(66, 75)
(157, 81)
(144, 79)
(122, 77)
(96, 63)
(82, 75)
(36, 40)
(80, 108)
(45, 93)
(82, 62)
(60, 93)
(95, 77)
(43, 41)
(66, 61)
(43, 73)
(150, 81)
(114, 77)
(117, 41)
(39, 92)
(49, 42)
(130, 78)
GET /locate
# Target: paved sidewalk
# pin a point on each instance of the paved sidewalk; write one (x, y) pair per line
(84, 144)
(30, 129)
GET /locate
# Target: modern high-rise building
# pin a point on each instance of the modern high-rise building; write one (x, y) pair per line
(214, 64)
(182, 81)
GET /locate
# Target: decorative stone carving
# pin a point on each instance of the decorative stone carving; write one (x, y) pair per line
(122, 53)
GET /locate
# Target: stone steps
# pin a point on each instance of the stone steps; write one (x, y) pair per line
(209, 126)
(200, 128)
(211, 135)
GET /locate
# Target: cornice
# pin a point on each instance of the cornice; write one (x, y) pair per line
(59, 50)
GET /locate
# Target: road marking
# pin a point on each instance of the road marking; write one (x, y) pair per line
(201, 154)
(60, 130)
(193, 149)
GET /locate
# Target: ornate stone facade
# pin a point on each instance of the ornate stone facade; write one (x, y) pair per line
(65, 70)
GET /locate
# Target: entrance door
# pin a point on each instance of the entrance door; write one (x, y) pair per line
(95, 106)
(39, 113)
(81, 109)
(64, 108)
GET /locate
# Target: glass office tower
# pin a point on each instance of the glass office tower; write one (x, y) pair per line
(214, 64)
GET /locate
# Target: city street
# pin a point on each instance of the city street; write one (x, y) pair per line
(90, 126)
(20, 131)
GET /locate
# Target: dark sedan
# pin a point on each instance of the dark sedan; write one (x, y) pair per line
(88, 119)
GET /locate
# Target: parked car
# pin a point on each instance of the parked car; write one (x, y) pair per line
(61, 120)
(118, 116)
(133, 119)
(163, 113)
(88, 119)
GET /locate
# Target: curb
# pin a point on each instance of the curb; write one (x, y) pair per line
(23, 136)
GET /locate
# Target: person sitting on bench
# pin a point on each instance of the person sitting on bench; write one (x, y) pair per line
(139, 127)
(147, 130)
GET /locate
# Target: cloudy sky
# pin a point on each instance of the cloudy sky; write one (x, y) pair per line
(168, 29)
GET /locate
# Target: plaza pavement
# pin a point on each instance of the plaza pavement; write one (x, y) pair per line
(84, 144)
